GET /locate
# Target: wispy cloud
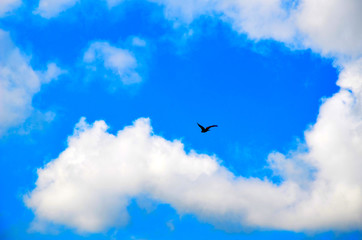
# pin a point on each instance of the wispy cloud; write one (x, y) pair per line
(139, 42)
(328, 27)
(52, 8)
(6, 6)
(121, 62)
(18, 83)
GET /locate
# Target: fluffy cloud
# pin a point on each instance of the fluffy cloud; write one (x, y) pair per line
(18, 83)
(120, 62)
(331, 27)
(8, 5)
(90, 184)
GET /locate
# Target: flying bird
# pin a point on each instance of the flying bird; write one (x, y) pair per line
(204, 130)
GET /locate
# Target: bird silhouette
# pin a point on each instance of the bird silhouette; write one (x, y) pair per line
(204, 130)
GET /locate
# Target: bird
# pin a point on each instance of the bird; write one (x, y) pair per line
(204, 130)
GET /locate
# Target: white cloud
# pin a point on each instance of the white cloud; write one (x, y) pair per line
(52, 8)
(18, 84)
(350, 77)
(331, 26)
(89, 185)
(7, 6)
(259, 19)
(120, 61)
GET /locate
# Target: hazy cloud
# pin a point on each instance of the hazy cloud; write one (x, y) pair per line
(7, 6)
(120, 62)
(328, 27)
(18, 83)
(52, 8)
(139, 42)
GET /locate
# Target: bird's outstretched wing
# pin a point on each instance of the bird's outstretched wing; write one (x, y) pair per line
(211, 127)
(202, 128)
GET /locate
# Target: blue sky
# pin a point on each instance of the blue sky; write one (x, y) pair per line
(281, 83)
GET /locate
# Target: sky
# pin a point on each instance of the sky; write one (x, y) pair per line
(99, 105)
